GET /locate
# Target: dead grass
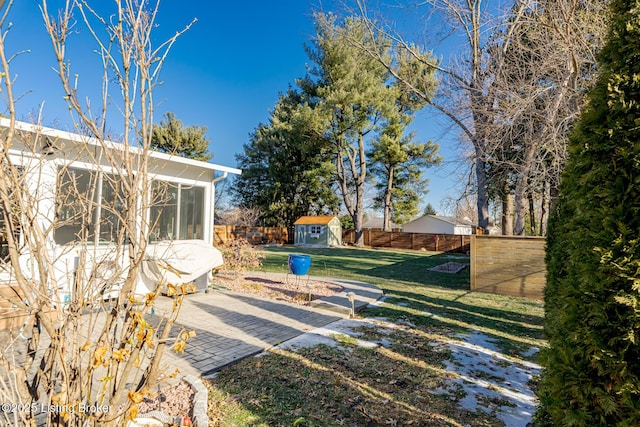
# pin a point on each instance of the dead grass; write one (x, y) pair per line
(397, 383)
(392, 384)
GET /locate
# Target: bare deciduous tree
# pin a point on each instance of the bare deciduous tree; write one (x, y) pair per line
(539, 95)
(73, 347)
(474, 85)
(241, 216)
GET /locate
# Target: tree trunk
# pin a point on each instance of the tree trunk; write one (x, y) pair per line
(532, 214)
(482, 200)
(543, 206)
(386, 220)
(507, 214)
(522, 187)
(358, 219)
(519, 211)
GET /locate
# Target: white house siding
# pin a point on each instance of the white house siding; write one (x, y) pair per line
(433, 225)
(85, 153)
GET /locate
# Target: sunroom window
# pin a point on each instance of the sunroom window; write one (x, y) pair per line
(112, 207)
(164, 211)
(177, 212)
(191, 213)
(4, 241)
(76, 207)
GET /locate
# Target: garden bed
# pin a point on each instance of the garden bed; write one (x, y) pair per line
(287, 288)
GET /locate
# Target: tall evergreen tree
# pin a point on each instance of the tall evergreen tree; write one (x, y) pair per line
(172, 137)
(359, 100)
(286, 166)
(397, 167)
(592, 299)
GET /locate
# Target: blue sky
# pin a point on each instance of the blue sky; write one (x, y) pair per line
(225, 73)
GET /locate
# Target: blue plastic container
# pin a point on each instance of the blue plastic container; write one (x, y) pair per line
(299, 264)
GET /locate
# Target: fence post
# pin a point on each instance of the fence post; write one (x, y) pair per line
(473, 249)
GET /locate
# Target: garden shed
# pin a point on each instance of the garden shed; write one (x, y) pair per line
(436, 224)
(318, 231)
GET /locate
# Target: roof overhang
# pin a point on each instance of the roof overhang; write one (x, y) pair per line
(78, 139)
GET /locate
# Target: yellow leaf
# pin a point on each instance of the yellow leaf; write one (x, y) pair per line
(59, 398)
(151, 296)
(98, 356)
(120, 355)
(85, 346)
(132, 413)
(171, 290)
(192, 334)
(135, 397)
(179, 346)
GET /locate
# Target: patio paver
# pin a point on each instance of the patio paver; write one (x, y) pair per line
(230, 326)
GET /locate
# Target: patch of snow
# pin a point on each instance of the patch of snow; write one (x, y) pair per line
(432, 315)
(531, 352)
(379, 302)
(478, 340)
(324, 335)
(385, 343)
(406, 323)
(490, 380)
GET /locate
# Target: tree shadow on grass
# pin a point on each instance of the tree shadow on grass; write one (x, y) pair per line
(417, 271)
(468, 310)
(353, 386)
(512, 331)
(350, 261)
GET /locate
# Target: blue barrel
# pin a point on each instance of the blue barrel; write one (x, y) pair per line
(299, 264)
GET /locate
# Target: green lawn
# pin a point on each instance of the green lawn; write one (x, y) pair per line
(326, 386)
(413, 290)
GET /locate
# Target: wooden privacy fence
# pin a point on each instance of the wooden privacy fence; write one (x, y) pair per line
(254, 235)
(372, 237)
(508, 265)
(401, 240)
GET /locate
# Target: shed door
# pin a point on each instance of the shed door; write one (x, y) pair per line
(300, 231)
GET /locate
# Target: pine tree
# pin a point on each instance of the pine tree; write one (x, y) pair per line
(286, 171)
(592, 299)
(171, 137)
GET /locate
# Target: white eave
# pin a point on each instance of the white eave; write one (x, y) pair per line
(76, 138)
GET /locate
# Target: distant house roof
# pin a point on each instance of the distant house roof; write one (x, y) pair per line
(314, 220)
(452, 220)
(448, 219)
(378, 222)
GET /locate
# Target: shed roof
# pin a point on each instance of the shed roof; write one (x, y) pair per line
(313, 220)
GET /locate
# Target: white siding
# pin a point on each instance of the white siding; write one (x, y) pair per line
(427, 224)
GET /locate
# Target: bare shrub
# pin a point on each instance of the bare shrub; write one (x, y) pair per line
(239, 256)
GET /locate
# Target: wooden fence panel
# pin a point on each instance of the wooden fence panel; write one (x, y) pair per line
(376, 238)
(254, 235)
(508, 265)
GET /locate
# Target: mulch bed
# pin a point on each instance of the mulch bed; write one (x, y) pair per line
(289, 288)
